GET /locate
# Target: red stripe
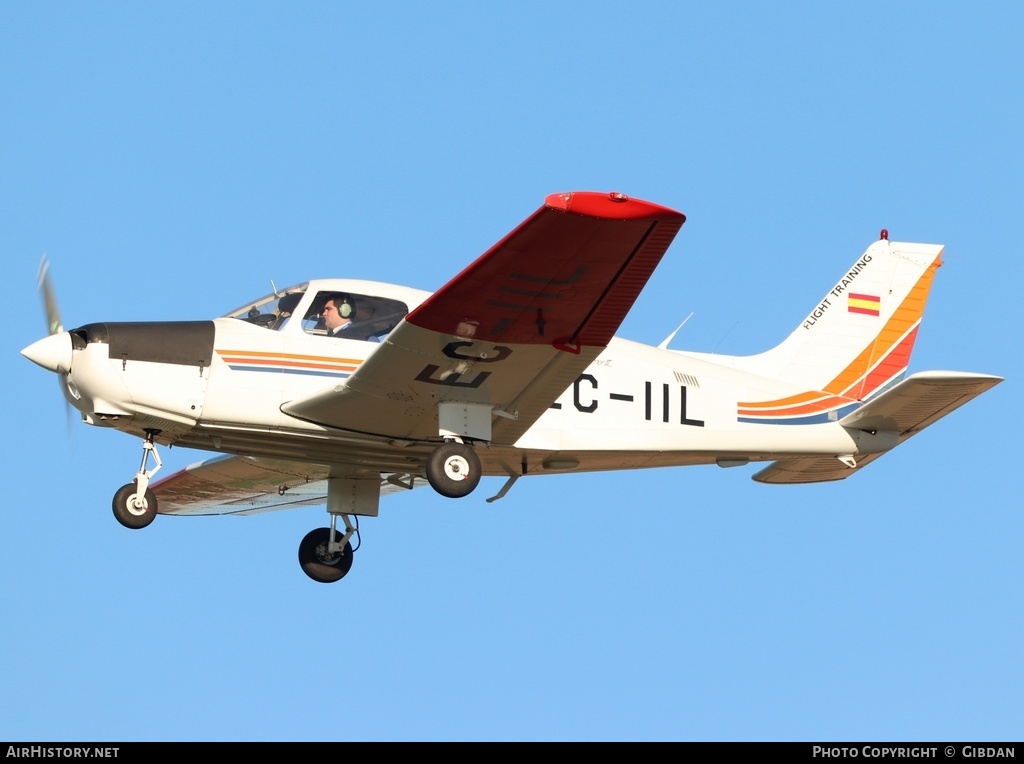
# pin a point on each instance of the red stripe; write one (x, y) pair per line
(894, 364)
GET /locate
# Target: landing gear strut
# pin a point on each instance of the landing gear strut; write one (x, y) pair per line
(453, 469)
(134, 504)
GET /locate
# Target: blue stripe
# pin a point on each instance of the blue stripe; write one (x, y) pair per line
(302, 372)
(819, 418)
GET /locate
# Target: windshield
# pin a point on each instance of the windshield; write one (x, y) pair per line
(272, 311)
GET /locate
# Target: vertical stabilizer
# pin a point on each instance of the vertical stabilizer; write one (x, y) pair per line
(857, 340)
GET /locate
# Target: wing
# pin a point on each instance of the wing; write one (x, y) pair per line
(905, 409)
(495, 346)
(245, 485)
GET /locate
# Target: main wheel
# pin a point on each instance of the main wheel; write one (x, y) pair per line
(132, 512)
(453, 470)
(318, 563)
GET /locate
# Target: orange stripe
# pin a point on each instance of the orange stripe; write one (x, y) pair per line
(789, 400)
(812, 408)
(851, 380)
(290, 365)
(290, 356)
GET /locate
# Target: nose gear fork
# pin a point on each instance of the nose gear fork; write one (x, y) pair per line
(143, 476)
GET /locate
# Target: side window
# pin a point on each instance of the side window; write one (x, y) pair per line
(353, 316)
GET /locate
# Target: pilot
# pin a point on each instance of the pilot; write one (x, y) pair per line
(337, 314)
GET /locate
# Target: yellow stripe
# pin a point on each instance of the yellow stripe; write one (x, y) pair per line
(866, 304)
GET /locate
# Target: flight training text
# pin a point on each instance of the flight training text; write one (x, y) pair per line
(837, 290)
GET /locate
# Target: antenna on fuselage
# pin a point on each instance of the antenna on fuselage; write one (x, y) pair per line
(669, 338)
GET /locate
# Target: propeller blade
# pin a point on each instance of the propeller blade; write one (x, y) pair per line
(71, 416)
(54, 325)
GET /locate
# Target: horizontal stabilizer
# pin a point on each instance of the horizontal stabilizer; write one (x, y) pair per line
(810, 469)
(906, 409)
(919, 400)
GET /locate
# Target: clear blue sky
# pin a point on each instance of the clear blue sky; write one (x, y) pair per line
(174, 158)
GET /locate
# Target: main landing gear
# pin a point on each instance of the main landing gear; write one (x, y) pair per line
(325, 554)
(453, 469)
(134, 504)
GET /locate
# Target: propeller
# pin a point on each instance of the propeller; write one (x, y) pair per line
(54, 325)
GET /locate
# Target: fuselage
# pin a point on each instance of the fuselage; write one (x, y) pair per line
(220, 386)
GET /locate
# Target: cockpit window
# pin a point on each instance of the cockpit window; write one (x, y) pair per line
(272, 311)
(353, 316)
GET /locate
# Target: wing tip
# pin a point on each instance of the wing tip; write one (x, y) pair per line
(612, 205)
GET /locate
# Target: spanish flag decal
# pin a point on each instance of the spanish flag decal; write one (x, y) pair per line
(868, 304)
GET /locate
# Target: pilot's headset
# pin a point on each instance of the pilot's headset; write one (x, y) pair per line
(346, 308)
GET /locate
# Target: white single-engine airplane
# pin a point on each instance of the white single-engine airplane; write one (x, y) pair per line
(510, 369)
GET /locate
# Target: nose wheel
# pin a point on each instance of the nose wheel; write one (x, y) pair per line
(453, 470)
(132, 510)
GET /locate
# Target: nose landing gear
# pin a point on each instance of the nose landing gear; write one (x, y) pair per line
(134, 504)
